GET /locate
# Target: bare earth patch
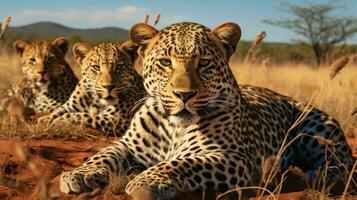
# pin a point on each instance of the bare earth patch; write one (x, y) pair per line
(38, 175)
(29, 169)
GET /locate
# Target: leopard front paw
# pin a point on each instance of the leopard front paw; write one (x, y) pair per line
(140, 190)
(79, 182)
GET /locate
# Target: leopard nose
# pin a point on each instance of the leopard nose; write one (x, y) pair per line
(42, 77)
(109, 87)
(185, 96)
(41, 73)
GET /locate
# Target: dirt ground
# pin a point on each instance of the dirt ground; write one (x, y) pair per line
(30, 168)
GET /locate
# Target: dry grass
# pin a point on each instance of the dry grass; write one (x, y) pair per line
(10, 70)
(19, 128)
(338, 65)
(157, 19)
(116, 185)
(4, 25)
(270, 167)
(253, 51)
(313, 195)
(146, 18)
(337, 97)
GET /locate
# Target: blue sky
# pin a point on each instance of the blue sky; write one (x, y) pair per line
(124, 13)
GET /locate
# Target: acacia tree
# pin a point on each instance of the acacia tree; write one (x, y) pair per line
(321, 26)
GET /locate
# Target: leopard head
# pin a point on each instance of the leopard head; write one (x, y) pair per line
(108, 68)
(186, 66)
(42, 61)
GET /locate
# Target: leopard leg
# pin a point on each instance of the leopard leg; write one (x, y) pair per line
(75, 118)
(109, 121)
(48, 119)
(168, 178)
(94, 173)
(322, 145)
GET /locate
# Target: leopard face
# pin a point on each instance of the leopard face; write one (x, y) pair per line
(42, 61)
(185, 66)
(107, 68)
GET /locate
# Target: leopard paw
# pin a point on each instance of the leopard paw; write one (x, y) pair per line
(79, 182)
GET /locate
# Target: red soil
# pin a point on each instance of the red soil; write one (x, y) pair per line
(29, 168)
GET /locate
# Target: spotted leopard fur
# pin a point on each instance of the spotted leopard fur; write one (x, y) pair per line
(48, 79)
(199, 130)
(107, 92)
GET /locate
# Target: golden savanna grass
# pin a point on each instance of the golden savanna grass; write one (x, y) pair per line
(338, 65)
(337, 96)
(4, 25)
(253, 50)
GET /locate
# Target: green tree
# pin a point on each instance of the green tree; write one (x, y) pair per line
(321, 26)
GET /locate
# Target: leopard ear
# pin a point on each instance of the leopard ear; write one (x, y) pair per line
(19, 47)
(131, 49)
(62, 44)
(141, 33)
(80, 50)
(229, 34)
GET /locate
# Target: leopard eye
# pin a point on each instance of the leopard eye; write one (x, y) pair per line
(165, 62)
(204, 62)
(32, 61)
(119, 67)
(96, 67)
(52, 58)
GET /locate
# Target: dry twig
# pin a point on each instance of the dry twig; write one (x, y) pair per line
(338, 65)
(157, 19)
(4, 25)
(146, 18)
(252, 51)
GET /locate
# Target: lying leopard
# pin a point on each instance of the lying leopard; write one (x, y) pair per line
(108, 91)
(48, 79)
(199, 130)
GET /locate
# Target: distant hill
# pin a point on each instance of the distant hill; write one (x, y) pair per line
(45, 30)
(276, 52)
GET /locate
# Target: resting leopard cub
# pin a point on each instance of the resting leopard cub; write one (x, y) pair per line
(105, 96)
(48, 79)
(198, 129)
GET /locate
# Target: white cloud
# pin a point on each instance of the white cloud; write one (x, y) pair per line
(120, 16)
(124, 16)
(65, 15)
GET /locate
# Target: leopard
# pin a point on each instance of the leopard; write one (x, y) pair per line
(199, 130)
(48, 80)
(17, 98)
(108, 91)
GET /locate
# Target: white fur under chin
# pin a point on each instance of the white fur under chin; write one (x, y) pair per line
(42, 85)
(184, 121)
(109, 103)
